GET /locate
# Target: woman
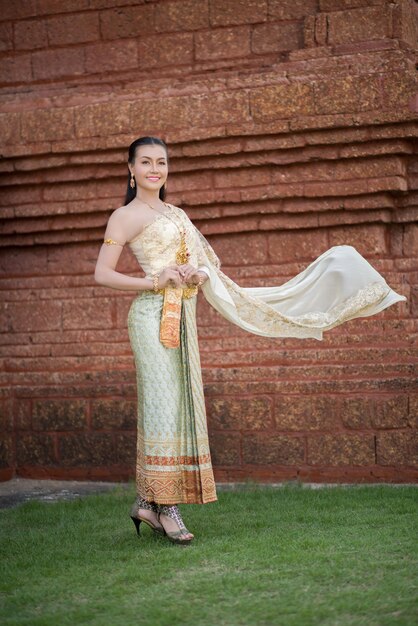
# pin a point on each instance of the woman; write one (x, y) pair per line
(173, 457)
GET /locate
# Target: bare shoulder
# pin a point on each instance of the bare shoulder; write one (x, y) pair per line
(119, 215)
(119, 225)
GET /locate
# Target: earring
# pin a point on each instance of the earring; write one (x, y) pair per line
(132, 181)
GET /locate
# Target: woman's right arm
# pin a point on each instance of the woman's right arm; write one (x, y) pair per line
(105, 272)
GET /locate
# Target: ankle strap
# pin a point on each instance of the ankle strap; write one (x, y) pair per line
(174, 513)
(141, 503)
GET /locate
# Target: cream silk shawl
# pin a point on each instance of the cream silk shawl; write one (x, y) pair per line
(338, 286)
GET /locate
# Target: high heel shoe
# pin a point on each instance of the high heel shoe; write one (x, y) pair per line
(141, 503)
(177, 536)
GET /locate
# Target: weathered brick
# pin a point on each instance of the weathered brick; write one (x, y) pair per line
(269, 449)
(240, 413)
(238, 12)
(353, 93)
(405, 28)
(183, 15)
(222, 43)
(327, 172)
(134, 21)
(35, 449)
(225, 448)
(309, 26)
(281, 101)
(370, 240)
(6, 36)
(6, 414)
(47, 124)
(243, 177)
(49, 64)
(276, 37)
(21, 262)
(18, 10)
(6, 450)
(305, 413)
(291, 9)
(113, 414)
(16, 69)
(304, 244)
(413, 411)
(165, 49)
(366, 23)
(241, 249)
(24, 317)
(391, 412)
(122, 309)
(357, 412)
(10, 127)
(30, 34)
(86, 314)
(398, 89)
(74, 28)
(125, 449)
(338, 5)
(102, 119)
(370, 412)
(22, 413)
(59, 414)
(86, 450)
(194, 110)
(191, 180)
(341, 450)
(397, 448)
(47, 7)
(111, 56)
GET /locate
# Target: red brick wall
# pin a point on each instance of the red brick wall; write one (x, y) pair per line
(291, 128)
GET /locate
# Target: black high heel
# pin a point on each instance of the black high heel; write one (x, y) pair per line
(137, 523)
(141, 503)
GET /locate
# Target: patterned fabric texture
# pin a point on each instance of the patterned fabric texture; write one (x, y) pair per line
(173, 457)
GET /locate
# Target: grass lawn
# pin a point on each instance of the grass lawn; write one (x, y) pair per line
(262, 556)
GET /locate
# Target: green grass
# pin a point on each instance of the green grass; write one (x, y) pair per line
(262, 556)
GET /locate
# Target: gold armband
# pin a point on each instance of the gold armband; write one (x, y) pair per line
(112, 242)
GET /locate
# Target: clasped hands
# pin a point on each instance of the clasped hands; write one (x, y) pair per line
(178, 276)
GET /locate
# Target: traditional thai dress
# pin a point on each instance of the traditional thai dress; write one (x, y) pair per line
(173, 462)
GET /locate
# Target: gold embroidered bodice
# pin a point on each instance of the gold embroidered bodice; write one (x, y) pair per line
(158, 243)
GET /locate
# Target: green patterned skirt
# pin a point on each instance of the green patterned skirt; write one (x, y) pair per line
(173, 463)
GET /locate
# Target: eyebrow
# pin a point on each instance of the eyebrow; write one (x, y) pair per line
(144, 156)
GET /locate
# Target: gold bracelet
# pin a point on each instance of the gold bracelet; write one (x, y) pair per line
(155, 278)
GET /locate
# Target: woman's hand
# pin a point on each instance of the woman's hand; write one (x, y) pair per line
(170, 276)
(189, 273)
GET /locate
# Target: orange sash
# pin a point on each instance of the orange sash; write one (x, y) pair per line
(170, 317)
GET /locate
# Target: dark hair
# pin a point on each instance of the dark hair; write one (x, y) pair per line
(142, 141)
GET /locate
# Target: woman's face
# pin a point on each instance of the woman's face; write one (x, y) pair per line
(150, 168)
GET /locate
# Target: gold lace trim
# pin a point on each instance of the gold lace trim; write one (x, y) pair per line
(269, 320)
